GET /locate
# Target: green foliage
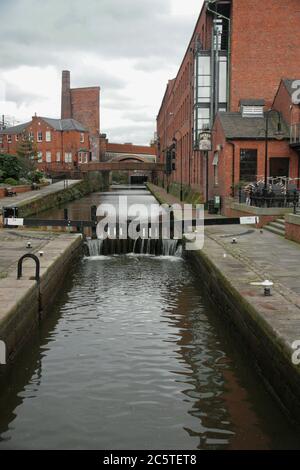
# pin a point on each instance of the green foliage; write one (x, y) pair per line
(35, 176)
(19, 168)
(27, 148)
(11, 181)
(9, 167)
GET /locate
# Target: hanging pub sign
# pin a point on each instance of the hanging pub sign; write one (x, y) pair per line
(205, 141)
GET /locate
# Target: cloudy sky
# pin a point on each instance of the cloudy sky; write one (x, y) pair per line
(130, 48)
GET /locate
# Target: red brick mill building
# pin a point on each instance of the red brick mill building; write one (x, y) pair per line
(75, 138)
(242, 60)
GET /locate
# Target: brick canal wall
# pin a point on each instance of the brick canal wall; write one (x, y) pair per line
(24, 302)
(292, 227)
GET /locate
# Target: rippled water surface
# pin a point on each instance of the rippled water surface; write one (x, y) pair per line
(132, 356)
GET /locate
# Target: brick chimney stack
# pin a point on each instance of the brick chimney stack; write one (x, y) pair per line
(66, 107)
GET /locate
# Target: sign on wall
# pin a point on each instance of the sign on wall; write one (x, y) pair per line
(205, 141)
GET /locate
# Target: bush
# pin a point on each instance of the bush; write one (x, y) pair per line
(9, 167)
(11, 182)
(35, 176)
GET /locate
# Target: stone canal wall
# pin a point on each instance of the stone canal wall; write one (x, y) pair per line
(265, 327)
(24, 302)
(49, 201)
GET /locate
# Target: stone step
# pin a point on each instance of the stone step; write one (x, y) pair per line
(277, 224)
(278, 231)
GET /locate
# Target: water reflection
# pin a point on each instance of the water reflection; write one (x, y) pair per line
(133, 356)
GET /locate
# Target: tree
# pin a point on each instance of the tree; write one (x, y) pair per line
(10, 167)
(27, 148)
(27, 155)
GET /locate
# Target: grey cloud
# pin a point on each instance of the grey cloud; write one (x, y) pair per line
(35, 32)
(14, 94)
(137, 134)
(96, 77)
(138, 117)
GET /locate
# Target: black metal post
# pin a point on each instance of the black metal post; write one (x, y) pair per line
(266, 153)
(279, 133)
(181, 172)
(181, 163)
(94, 220)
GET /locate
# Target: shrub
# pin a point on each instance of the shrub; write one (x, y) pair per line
(11, 181)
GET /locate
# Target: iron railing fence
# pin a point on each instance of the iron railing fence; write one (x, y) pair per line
(279, 192)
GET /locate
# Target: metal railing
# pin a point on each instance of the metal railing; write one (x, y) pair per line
(295, 134)
(274, 195)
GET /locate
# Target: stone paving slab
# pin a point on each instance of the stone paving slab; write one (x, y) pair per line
(19, 299)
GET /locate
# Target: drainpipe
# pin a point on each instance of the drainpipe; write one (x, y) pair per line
(232, 168)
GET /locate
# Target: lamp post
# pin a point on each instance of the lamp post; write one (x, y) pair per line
(181, 163)
(279, 135)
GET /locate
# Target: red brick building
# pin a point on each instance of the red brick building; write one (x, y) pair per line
(83, 105)
(60, 143)
(129, 151)
(239, 52)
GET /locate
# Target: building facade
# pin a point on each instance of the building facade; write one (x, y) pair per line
(239, 52)
(56, 143)
(83, 105)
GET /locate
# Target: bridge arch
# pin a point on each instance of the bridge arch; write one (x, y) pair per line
(131, 158)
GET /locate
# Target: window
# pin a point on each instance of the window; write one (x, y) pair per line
(58, 156)
(40, 136)
(202, 96)
(216, 168)
(223, 80)
(248, 164)
(48, 136)
(1, 139)
(253, 111)
(9, 139)
(17, 137)
(68, 157)
(80, 157)
(82, 138)
(31, 136)
(48, 157)
(40, 157)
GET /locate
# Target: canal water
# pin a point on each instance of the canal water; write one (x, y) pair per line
(133, 356)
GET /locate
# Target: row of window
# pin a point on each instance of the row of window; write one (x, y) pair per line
(68, 158)
(39, 137)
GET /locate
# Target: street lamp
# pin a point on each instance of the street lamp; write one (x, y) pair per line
(278, 134)
(181, 162)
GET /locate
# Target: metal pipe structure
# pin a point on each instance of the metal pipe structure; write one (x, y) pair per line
(219, 15)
